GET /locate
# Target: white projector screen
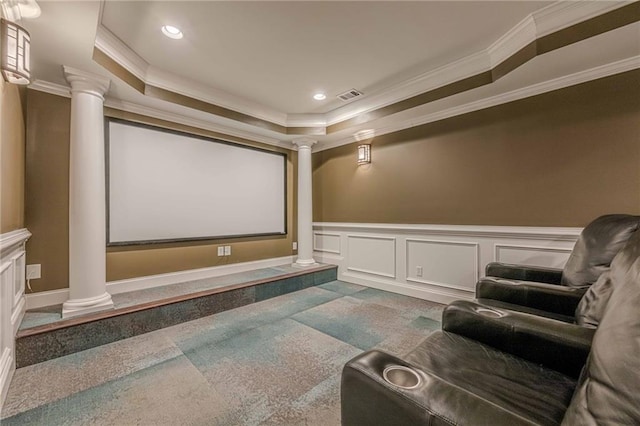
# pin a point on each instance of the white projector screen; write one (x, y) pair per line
(170, 186)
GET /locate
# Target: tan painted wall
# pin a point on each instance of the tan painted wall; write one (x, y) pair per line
(12, 131)
(48, 213)
(557, 159)
(47, 188)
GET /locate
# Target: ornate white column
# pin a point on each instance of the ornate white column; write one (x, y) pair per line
(87, 205)
(305, 204)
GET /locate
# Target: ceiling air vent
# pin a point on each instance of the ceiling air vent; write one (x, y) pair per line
(349, 94)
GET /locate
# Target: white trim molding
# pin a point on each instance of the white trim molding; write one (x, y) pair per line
(441, 263)
(556, 16)
(187, 119)
(56, 297)
(12, 300)
(584, 76)
(211, 123)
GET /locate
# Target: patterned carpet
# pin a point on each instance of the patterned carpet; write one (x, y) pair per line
(273, 362)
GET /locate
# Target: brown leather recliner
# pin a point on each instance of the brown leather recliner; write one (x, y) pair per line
(450, 379)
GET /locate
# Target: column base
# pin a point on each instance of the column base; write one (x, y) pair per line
(76, 307)
(304, 263)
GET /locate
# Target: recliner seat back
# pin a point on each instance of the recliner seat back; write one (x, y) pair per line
(608, 391)
(596, 247)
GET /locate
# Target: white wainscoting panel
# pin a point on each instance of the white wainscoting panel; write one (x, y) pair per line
(326, 243)
(446, 264)
(12, 301)
(6, 335)
(452, 257)
(375, 255)
(19, 281)
(532, 255)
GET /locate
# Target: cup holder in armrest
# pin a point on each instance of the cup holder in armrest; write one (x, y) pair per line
(402, 377)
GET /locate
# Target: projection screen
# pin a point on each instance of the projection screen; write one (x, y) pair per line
(169, 186)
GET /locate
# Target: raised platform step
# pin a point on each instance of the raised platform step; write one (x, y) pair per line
(44, 335)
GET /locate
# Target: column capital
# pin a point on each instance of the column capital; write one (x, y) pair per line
(304, 142)
(86, 82)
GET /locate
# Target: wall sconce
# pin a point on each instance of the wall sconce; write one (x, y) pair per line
(16, 43)
(364, 154)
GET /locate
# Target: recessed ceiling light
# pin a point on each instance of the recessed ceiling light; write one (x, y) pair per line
(172, 32)
(319, 96)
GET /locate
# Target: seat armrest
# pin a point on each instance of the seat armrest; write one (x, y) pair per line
(368, 399)
(547, 297)
(524, 273)
(557, 345)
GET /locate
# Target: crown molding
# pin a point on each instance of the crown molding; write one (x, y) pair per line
(51, 88)
(124, 56)
(454, 71)
(174, 83)
(303, 120)
(525, 92)
(512, 41)
(192, 122)
(119, 52)
(65, 91)
(532, 90)
(563, 14)
(551, 18)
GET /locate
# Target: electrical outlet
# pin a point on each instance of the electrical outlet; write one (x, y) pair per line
(227, 250)
(220, 251)
(418, 271)
(34, 271)
(295, 245)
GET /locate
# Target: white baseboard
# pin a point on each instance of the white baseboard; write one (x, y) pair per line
(47, 298)
(140, 283)
(56, 297)
(435, 295)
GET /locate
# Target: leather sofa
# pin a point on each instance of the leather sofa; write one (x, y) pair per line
(487, 369)
(556, 293)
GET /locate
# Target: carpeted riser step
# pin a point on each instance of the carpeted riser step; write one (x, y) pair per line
(35, 347)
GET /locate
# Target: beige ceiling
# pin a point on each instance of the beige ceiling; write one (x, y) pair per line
(280, 53)
(266, 59)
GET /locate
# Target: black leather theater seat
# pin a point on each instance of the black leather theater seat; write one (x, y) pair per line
(555, 293)
(525, 372)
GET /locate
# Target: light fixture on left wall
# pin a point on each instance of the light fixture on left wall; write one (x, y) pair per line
(16, 50)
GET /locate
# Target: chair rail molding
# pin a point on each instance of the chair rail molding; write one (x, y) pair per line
(12, 300)
(441, 263)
